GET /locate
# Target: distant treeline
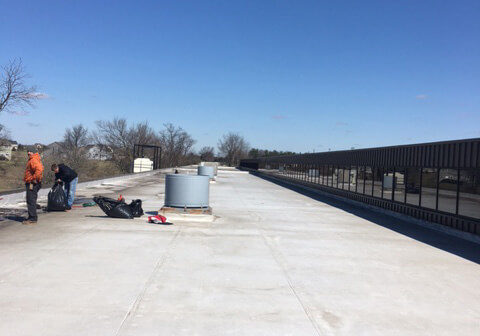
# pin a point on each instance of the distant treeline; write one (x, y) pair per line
(256, 153)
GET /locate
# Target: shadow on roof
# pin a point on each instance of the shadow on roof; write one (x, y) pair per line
(449, 243)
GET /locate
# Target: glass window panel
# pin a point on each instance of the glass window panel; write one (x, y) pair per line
(360, 180)
(335, 176)
(312, 173)
(447, 190)
(429, 188)
(368, 181)
(399, 182)
(388, 183)
(469, 197)
(377, 182)
(346, 178)
(353, 178)
(317, 178)
(325, 175)
(412, 186)
(343, 177)
(330, 176)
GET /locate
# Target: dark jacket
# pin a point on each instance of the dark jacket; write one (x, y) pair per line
(65, 173)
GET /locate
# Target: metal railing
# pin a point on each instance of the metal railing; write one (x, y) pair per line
(437, 182)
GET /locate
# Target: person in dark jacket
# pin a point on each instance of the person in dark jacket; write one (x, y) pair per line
(69, 177)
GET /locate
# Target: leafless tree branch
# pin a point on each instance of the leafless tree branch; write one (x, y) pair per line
(207, 154)
(4, 134)
(176, 146)
(233, 147)
(118, 136)
(13, 89)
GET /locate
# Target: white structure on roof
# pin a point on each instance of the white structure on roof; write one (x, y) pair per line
(142, 165)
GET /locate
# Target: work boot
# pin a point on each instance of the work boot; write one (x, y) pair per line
(29, 222)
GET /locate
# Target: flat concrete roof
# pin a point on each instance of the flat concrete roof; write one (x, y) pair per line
(274, 262)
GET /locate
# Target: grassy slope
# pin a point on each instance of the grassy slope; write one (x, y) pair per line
(11, 172)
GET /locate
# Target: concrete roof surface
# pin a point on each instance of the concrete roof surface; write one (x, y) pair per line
(274, 262)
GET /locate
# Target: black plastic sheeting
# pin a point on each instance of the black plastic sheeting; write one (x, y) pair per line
(119, 209)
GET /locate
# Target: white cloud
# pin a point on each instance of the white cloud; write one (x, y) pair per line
(19, 113)
(37, 95)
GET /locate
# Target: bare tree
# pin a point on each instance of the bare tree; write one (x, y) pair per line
(207, 154)
(4, 134)
(233, 147)
(76, 137)
(74, 141)
(13, 89)
(176, 146)
(142, 134)
(120, 138)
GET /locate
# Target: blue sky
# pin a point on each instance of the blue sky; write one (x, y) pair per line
(287, 75)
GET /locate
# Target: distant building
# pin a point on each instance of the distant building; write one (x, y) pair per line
(53, 149)
(98, 152)
(6, 149)
(37, 147)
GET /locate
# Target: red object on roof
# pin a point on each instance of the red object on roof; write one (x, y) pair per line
(157, 219)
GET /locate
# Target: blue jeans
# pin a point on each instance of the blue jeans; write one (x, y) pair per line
(70, 189)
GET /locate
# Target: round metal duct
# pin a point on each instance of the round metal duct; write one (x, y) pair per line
(206, 171)
(190, 191)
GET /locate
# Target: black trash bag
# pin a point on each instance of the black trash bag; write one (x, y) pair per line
(114, 208)
(122, 210)
(136, 207)
(105, 203)
(57, 201)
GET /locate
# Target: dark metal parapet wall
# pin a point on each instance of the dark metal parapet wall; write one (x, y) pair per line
(447, 154)
(437, 182)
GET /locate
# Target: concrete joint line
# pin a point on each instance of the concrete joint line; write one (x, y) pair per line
(133, 308)
(282, 264)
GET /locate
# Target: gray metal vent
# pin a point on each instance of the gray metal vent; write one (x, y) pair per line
(191, 191)
(206, 171)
